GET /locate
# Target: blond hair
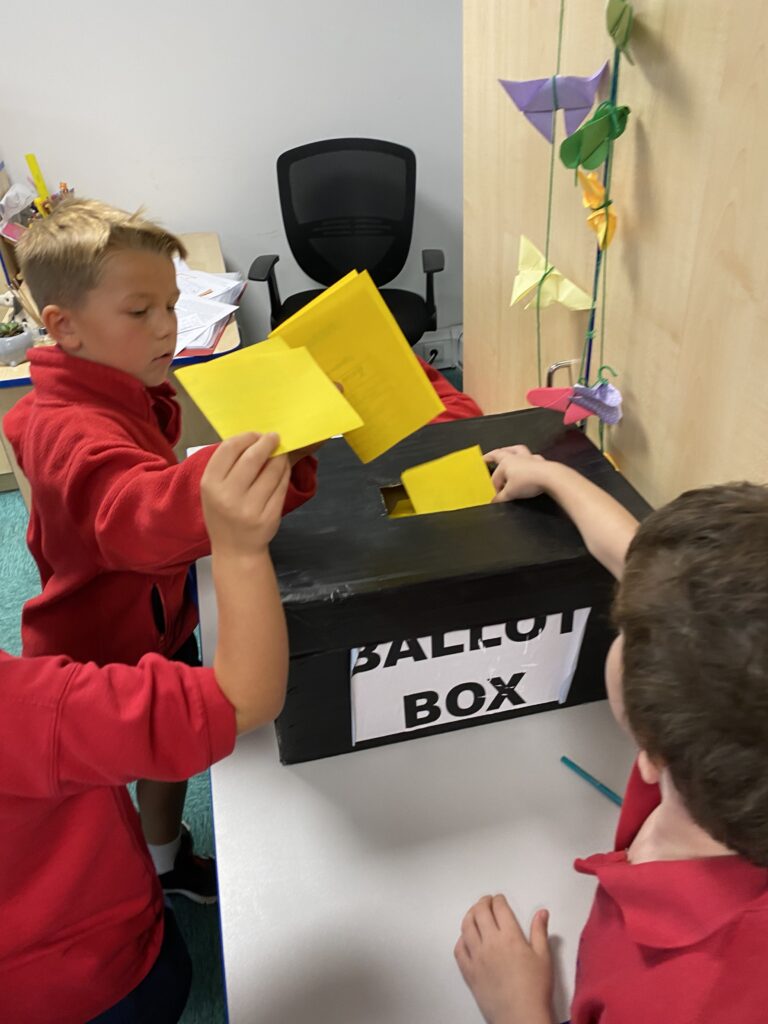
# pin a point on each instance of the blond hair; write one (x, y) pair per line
(62, 256)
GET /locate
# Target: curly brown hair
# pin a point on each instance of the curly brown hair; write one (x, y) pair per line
(693, 608)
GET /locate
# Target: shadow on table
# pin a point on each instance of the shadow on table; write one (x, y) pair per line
(477, 780)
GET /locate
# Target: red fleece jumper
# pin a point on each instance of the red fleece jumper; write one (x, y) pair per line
(458, 405)
(671, 942)
(116, 521)
(82, 908)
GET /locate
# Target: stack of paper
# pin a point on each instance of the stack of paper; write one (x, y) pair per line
(205, 306)
(200, 322)
(223, 287)
(346, 336)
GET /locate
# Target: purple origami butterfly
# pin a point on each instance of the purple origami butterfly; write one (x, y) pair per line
(602, 399)
(538, 97)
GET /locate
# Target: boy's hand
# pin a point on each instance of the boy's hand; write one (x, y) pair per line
(243, 491)
(517, 473)
(509, 976)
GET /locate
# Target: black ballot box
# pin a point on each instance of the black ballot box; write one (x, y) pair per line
(406, 627)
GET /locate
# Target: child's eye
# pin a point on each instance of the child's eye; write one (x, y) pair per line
(137, 312)
(171, 309)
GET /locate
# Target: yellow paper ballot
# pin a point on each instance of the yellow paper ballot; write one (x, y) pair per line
(402, 508)
(458, 480)
(312, 306)
(355, 339)
(274, 390)
(268, 347)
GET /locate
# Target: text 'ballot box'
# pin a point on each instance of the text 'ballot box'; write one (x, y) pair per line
(404, 627)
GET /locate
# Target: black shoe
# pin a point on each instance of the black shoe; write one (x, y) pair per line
(191, 876)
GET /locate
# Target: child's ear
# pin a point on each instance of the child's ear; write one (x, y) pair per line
(60, 325)
(650, 772)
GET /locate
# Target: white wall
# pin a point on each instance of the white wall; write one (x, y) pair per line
(184, 107)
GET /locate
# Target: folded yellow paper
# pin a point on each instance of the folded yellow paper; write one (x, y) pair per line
(458, 480)
(355, 339)
(602, 219)
(554, 287)
(268, 387)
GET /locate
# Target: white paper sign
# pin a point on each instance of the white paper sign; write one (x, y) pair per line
(413, 684)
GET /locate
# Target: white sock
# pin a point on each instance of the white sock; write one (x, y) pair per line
(164, 854)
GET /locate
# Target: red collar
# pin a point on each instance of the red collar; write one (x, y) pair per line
(671, 904)
(60, 378)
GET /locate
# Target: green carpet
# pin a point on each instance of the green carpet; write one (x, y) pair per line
(200, 925)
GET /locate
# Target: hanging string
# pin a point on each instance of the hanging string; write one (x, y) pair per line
(607, 181)
(547, 268)
(601, 258)
(602, 312)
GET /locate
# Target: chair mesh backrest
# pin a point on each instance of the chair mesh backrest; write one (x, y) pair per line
(347, 204)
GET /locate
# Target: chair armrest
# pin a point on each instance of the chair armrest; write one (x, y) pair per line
(263, 269)
(433, 261)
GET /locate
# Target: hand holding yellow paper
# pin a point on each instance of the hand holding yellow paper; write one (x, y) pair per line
(555, 288)
(355, 339)
(458, 480)
(269, 387)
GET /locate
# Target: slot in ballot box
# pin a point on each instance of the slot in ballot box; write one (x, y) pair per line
(405, 627)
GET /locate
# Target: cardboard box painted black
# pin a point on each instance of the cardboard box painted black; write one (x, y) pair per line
(402, 628)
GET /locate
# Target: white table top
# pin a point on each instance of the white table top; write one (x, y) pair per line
(343, 881)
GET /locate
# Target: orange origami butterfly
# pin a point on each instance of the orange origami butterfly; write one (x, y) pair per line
(602, 219)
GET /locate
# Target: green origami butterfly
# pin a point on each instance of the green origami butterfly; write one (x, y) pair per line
(589, 145)
(618, 19)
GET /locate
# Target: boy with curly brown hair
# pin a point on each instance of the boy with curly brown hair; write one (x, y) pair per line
(679, 924)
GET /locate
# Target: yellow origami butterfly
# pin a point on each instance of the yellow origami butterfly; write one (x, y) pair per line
(532, 267)
(602, 219)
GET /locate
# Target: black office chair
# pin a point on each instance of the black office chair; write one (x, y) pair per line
(348, 204)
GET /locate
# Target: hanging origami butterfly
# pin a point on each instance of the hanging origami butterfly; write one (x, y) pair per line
(532, 267)
(589, 145)
(601, 399)
(602, 219)
(619, 15)
(537, 98)
(580, 401)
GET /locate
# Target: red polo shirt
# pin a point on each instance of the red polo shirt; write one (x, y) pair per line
(82, 908)
(671, 942)
(116, 521)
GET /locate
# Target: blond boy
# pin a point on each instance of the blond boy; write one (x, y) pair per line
(116, 521)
